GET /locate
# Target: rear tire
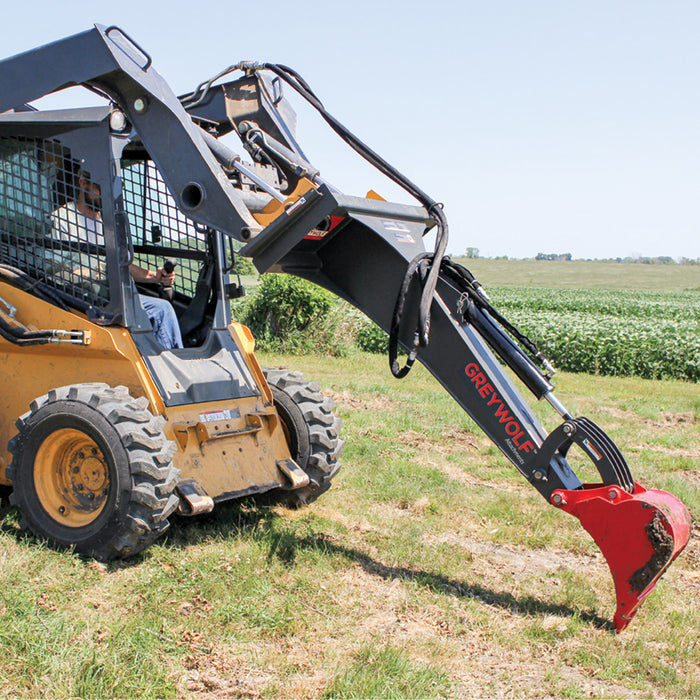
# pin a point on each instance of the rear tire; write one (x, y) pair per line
(92, 469)
(312, 431)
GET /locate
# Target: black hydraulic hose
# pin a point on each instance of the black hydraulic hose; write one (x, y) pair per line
(411, 273)
(435, 210)
(465, 281)
(29, 284)
(19, 334)
(22, 332)
(293, 79)
(23, 336)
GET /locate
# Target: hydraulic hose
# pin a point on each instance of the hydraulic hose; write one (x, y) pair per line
(29, 284)
(434, 260)
(425, 267)
(20, 335)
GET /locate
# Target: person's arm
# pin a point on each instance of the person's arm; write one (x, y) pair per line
(160, 276)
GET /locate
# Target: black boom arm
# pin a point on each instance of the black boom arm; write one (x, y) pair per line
(363, 258)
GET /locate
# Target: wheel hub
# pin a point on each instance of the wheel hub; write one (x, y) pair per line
(71, 477)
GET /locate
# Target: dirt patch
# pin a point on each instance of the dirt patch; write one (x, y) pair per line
(346, 399)
(401, 626)
(217, 675)
(692, 476)
(670, 451)
(504, 673)
(690, 557)
(671, 420)
(667, 419)
(625, 415)
(456, 473)
(449, 443)
(516, 559)
(361, 525)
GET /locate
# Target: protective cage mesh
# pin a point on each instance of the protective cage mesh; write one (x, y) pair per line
(51, 227)
(159, 229)
(44, 231)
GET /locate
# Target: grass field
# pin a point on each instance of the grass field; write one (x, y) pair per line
(583, 274)
(430, 569)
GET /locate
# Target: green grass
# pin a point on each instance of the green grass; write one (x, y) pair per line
(430, 569)
(583, 274)
(387, 672)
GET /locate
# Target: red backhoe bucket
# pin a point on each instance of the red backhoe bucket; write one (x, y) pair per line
(639, 534)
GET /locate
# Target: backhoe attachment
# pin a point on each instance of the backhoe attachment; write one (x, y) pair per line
(370, 252)
(361, 249)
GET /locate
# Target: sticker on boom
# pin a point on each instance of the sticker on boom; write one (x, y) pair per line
(592, 450)
(402, 233)
(316, 235)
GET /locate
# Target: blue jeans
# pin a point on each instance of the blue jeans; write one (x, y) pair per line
(162, 316)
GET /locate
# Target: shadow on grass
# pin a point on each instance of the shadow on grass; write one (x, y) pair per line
(249, 520)
(283, 542)
(522, 605)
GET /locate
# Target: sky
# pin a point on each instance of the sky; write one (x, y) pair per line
(542, 126)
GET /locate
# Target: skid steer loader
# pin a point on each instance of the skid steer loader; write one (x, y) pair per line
(104, 433)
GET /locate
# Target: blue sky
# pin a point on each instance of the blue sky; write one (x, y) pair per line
(542, 126)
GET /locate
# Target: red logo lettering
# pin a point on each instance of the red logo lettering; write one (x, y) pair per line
(484, 388)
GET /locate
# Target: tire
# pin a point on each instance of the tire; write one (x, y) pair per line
(312, 431)
(92, 470)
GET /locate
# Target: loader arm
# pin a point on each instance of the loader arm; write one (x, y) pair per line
(107, 60)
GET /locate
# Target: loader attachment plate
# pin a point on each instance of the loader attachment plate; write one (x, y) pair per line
(639, 534)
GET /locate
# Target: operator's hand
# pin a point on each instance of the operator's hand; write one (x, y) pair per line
(164, 277)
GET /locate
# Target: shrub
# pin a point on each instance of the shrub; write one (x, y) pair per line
(371, 338)
(244, 267)
(288, 314)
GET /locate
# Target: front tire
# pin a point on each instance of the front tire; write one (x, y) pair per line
(312, 430)
(92, 469)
